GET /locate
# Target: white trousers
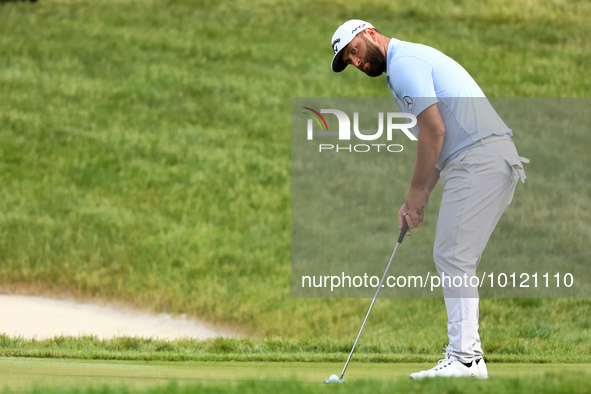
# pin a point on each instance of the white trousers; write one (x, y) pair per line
(478, 185)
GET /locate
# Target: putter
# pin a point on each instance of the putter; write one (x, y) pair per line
(335, 378)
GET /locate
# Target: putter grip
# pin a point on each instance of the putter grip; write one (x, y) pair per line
(403, 232)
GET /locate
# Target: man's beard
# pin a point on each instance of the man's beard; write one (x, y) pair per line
(376, 59)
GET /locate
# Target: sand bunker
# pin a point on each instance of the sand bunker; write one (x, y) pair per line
(41, 318)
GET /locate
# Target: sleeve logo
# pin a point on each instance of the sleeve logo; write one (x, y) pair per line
(408, 101)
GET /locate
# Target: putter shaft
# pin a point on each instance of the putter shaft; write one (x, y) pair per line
(400, 239)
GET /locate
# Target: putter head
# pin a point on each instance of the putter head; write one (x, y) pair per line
(334, 379)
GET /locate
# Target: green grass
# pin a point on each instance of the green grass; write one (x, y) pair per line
(145, 158)
(19, 375)
(533, 344)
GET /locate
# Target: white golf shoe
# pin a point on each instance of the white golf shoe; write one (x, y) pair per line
(482, 370)
(451, 369)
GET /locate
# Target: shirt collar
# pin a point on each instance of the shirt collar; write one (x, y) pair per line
(389, 55)
(391, 49)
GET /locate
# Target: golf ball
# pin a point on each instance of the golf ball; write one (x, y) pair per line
(333, 379)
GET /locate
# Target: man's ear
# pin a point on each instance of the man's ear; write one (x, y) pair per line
(371, 34)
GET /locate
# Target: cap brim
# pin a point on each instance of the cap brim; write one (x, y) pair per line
(338, 64)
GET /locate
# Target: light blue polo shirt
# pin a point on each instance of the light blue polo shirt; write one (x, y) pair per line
(420, 76)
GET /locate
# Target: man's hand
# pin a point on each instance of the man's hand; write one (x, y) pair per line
(414, 203)
(401, 218)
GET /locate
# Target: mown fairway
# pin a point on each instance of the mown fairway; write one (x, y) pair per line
(145, 159)
(22, 375)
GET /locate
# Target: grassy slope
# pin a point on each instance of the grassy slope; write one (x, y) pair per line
(144, 154)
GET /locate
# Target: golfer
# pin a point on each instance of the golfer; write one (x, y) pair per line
(460, 140)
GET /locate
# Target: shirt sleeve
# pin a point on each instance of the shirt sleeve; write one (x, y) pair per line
(412, 82)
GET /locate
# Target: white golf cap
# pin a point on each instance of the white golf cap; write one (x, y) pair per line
(343, 36)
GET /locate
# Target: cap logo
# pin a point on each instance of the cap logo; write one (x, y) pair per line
(357, 28)
(335, 48)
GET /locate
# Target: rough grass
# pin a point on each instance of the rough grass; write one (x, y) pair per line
(535, 344)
